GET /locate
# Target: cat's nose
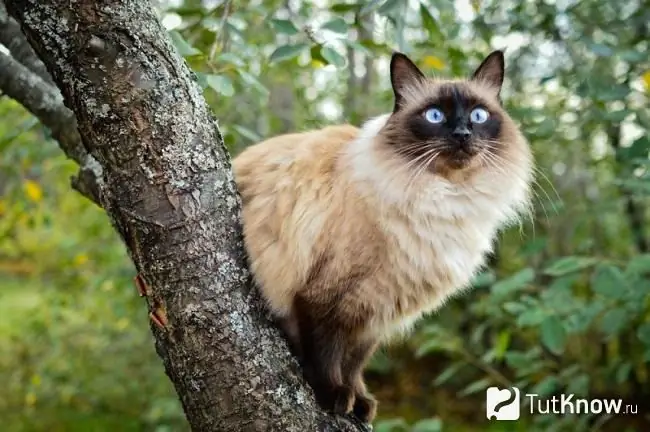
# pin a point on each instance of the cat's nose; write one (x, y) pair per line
(461, 133)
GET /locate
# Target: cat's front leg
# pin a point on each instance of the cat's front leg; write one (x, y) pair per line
(358, 355)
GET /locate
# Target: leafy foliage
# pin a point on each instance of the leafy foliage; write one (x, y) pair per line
(562, 309)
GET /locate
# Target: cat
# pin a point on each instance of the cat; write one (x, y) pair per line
(352, 234)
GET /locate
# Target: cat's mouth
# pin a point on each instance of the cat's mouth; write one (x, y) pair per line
(459, 157)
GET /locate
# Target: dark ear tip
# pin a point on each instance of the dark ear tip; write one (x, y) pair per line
(397, 55)
(499, 54)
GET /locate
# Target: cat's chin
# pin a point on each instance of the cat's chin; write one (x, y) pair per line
(457, 160)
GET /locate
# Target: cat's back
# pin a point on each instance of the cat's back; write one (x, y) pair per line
(306, 154)
(288, 189)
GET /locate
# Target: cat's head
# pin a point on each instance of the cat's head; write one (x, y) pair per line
(452, 125)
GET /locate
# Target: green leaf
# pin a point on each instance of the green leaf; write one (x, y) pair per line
(253, 82)
(337, 25)
(514, 308)
(643, 333)
(547, 386)
(638, 149)
(633, 56)
(502, 344)
(643, 117)
(609, 281)
(639, 265)
(429, 346)
(370, 6)
(428, 425)
(380, 363)
(392, 425)
(483, 279)
(601, 50)
(475, 387)
(446, 374)
(202, 80)
(515, 282)
(284, 26)
(230, 58)
(614, 321)
(286, 52)
(623, 372)
(531, 317)
(430, 23)
(344, 7)
(617, 116)
(612, 92)
(553, 335)
(569, 264)
(247, 133)
(221, 84)
(517, 360)
(333, 57)
(389, 6)
(579, 385)
(357, 46)
(184, 48)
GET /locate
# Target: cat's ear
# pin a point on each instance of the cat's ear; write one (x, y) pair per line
(491, 71)
(403, 73)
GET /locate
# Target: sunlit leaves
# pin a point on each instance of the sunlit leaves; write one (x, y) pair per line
(250, 80)
(336, 25)
(247, 133)
(389, 6)
(371, 6)
(430, 23)
(284, 26)
(332, 56)
(601, 50)
(184, 48)
(221, 84)
(515, 282)
(569, 264)
(287, 52)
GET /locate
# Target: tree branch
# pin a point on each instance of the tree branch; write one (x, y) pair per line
(12, 38)
(170, 194)
(45, 102)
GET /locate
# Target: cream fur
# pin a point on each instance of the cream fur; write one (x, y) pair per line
(340, 192)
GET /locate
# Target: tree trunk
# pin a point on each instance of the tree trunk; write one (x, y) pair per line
(169, 191)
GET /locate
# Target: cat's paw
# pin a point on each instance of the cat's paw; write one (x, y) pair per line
(365, 407)
(343, 397)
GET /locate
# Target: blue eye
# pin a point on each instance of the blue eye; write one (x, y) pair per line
(434, 115)
(479, 115)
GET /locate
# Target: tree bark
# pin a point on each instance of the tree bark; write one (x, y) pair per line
(169, 191)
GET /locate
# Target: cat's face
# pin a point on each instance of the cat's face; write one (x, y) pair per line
(448, 125)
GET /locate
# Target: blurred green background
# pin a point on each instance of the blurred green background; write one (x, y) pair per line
(563, 308)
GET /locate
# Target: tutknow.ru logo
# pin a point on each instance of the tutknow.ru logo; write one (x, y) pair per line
(505, 404)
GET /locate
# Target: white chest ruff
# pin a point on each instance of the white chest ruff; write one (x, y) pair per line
(438, 232)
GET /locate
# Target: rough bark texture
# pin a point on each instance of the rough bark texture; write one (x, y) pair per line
(167, 185)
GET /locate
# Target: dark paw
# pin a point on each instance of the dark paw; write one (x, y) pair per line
(343, 399)
(365, 408)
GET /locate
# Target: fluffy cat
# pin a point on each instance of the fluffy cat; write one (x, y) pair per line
(353, 234)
